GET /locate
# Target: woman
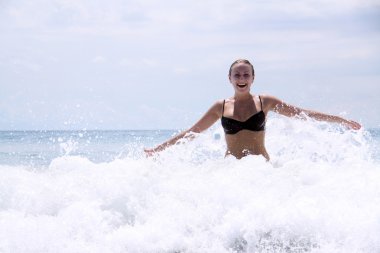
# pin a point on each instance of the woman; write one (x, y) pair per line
(243, 116)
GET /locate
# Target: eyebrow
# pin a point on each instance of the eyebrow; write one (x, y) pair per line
(245, 72)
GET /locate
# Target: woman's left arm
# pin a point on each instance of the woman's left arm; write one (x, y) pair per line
(271, 103)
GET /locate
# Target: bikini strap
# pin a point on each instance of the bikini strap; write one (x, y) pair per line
(261, 103)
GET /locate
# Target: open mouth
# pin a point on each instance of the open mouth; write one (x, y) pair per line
(241, 85)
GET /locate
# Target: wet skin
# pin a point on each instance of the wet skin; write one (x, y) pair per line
(244, 142)
(241, 107)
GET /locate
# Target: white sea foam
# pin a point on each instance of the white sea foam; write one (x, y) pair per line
(319, 193)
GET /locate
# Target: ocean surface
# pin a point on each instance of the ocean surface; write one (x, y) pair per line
(95, 191)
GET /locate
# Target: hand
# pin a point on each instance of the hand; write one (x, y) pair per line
(149, 152)
(352, 125)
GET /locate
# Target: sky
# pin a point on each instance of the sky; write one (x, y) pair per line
(147, 64)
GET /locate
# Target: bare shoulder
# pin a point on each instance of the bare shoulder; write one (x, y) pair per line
(218, 104)
(217, 107)
(270, 102)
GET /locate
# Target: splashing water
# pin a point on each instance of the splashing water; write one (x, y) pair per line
(319, 193)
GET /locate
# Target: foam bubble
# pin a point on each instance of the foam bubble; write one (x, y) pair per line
(320, 193)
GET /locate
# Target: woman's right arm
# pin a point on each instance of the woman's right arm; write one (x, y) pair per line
(208, 119)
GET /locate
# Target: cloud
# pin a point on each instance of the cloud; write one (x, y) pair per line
(62, 49)
(19, 62)
(98, 59)
(148, 15)
(182, 70)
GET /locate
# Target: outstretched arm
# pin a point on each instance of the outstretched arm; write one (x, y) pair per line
(210, 117)
(274, 104)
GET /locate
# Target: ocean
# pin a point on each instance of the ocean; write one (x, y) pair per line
(96, 191)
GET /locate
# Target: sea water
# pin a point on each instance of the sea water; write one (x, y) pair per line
(96, 191)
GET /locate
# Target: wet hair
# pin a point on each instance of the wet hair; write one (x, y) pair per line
(241, 61)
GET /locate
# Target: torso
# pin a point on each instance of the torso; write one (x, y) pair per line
(245, 143)
(244, 125)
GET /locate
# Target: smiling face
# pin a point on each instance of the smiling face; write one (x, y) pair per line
(241, 77)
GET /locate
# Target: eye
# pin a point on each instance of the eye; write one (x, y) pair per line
(236, 75)
(246, 75)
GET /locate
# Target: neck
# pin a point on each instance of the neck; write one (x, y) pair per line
(242, 97)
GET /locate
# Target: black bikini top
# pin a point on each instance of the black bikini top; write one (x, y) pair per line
(255, 123)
